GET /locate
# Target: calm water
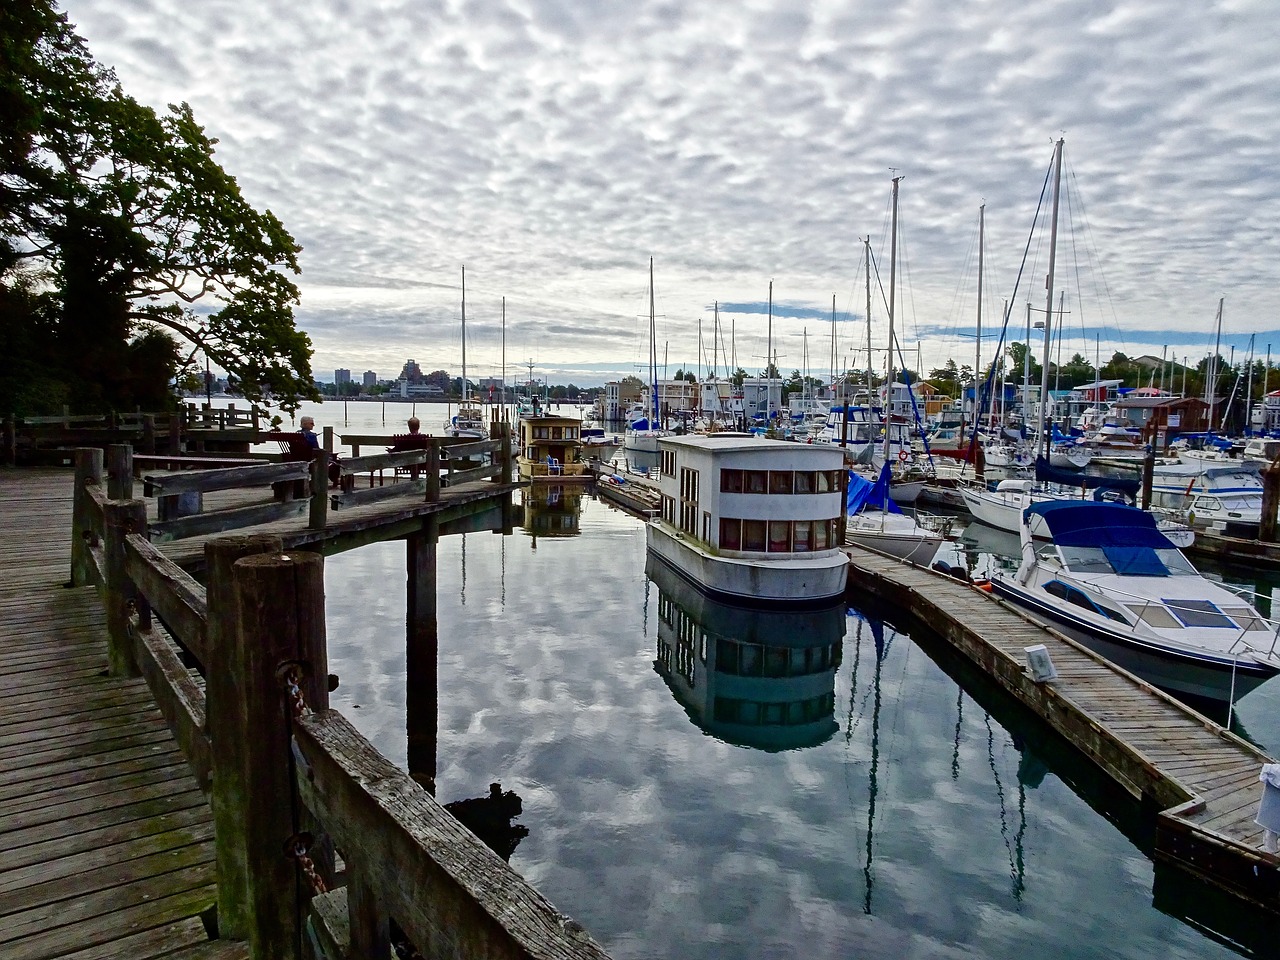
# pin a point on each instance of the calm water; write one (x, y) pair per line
(904, 808)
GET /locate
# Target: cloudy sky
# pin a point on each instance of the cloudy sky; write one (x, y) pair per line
(553, 149)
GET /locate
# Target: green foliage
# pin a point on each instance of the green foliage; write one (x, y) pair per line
(129, 224)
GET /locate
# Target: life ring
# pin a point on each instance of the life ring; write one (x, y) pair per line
(904, 456)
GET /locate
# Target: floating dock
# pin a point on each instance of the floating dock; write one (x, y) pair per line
(1201, 778)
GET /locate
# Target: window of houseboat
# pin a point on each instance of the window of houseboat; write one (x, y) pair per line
(779, 536)
(780, 481)
(668, 463)
(730, 481)
(756, 481)
(823, 481)
(800, 538)
(753, 535)
(804, 482)
(730, 533)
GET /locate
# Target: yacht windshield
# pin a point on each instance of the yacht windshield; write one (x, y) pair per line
(1127, 561)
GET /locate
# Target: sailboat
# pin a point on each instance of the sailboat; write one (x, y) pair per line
(872, 518)
(469, 420)
(642, 434)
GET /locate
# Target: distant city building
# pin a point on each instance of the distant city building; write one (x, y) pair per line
(370, 379)
(411, 372)
(341, 376)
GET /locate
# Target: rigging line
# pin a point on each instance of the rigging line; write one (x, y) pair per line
(955, 749)
(1091, 248)
(995, 773)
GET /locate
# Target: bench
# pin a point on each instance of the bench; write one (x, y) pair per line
(409, 441)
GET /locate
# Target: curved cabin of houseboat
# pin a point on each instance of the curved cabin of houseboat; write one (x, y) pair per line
(752, 520)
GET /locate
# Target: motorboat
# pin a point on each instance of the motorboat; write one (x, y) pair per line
(1106, 575)
(751, 520)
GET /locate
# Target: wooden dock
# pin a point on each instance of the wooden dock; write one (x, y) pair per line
(1201, 778)
(170, 769)
(106, 841)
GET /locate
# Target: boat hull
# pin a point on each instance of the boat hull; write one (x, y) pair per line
(1209, 678)
(919, 550)
(765, 582)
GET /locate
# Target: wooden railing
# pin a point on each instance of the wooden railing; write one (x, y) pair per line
(240, 671)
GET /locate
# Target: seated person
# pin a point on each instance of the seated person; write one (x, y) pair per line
(413, 440)
(307, 427)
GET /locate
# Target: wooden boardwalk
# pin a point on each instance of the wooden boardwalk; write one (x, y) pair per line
(105, 839)
(1202, 778)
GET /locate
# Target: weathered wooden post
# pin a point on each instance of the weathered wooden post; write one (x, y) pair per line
(88, 468)
(1148, 476)
(1270, 500)
(422, 640)
(175, 433)
(120, 518)
(223, 719)
(278, 640)
(319, 490)
(120, 471)
(433, 471)
(149, 434)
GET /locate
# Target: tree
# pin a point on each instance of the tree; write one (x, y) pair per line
(144, 250)
(1017, 357)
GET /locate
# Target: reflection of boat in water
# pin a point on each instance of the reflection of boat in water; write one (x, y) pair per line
(760, 678)
(552, 510)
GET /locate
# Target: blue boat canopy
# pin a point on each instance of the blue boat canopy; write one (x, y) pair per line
(1087, 523)
(869, 495)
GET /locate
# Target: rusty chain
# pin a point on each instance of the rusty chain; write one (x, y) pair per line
(296, 848)
(291, 680)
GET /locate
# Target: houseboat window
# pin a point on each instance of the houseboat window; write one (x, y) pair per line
(804, 481)
(557, 433)
(571, 433)
(540, 433)
(706, 527)
(780, 481)
(730, 481)
(749, 664)
(531, 453)
(779, 536)
(668, 463)
(775, 661)
(757, 481)
(753, 535)
(800, 536)
(822, 480)
(821, 534)
(730, 533)
(669, 509)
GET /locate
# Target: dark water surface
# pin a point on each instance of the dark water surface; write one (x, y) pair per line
(883, 802)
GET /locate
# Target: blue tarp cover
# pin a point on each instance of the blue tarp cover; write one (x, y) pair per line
(865, 494)
(1087, 523)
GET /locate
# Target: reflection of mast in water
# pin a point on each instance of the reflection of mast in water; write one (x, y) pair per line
(955, 751)
(873, 777)
(1016, 872)
(463, 591)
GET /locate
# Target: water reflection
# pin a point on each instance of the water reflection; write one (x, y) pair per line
(551, 510)
(759, 678)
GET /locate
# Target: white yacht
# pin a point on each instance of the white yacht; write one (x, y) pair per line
(751, 520)
(1109, 578)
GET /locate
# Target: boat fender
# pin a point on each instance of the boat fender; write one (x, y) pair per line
(983, 585)
(942, 567)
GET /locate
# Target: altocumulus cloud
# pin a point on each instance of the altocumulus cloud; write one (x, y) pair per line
(554, 148)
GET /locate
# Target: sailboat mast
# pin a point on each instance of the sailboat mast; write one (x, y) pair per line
(653, 353)
(1211, 370)
(504, 358)
(1048, 307)
(977, 348)
(893, 275)
(870, 363)
(464, 335)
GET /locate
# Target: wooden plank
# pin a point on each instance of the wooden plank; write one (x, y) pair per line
(227, 478)
(94, 831)
(145, 788)
(113, 788)
(173, 594)
(401, 488)
(178, 696)
(19, 765)
(428, 871)
(163, 941)
(222, 521)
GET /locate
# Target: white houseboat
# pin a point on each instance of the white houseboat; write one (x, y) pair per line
(751, 520)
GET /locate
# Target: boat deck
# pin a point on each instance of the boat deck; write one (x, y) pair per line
(1202, 778)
